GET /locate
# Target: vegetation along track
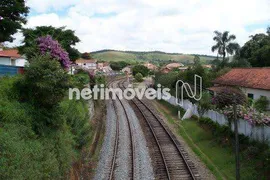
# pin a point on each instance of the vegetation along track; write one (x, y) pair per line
(116, 143)
(173, 162)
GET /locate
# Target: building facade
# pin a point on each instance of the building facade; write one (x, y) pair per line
(89, 64)
(254, 82)
(11, 57)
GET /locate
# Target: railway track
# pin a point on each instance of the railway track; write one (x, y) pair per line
(171, 160)
(117, 143)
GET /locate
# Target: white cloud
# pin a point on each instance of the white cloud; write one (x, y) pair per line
(171, 26)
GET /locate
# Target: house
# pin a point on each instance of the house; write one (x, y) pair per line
(11, 57)
(89, 64)
(150, 66)
(183, 68)
(126, 69)
(104, 67)
(174, 65)
(207, 66)
(165, 70)
(254, 82)
(169, 67)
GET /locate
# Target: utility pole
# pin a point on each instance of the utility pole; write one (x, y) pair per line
(237, 161)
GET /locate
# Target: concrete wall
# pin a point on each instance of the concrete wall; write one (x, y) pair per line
(88, 65)
(259, 133)
(5, 61)
(20, 62)
(257, 93)
(6, 70)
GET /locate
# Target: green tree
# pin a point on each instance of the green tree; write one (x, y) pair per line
(86, 55)
(45, 82)
(239, 62)
(196, 60)
(117, 66)
(139, 77)
(261, 104)
(257, 50)
(204, 104)
(12, 15)
(65, 37)
(224, 45)
(140, 69)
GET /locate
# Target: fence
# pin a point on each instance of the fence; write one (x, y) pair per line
(6, 70)
(259, 133)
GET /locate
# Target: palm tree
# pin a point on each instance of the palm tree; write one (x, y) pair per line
(224, 44)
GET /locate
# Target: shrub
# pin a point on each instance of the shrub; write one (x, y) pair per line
(204, 104)
(45, 82)
(79, 80)
(30, 147)
(117, 66)
(77, 118)
(140, 69)
(139, 77)
(261, 104)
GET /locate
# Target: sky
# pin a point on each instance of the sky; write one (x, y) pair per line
(182, 26)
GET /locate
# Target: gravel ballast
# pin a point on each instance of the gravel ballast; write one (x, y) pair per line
(105, 157)
(143, 167)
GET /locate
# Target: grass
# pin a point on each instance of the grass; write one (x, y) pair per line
(132, 57)
(220, 160)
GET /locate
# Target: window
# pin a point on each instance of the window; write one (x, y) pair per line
(251, 96)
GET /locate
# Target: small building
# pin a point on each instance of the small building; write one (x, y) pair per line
(89, 64)
(207, 66)
(183, 68)
(11, 57)
(254, 82)
(169, 67)
(104, 67)
(150, 66)
(165, 70)
(174, 65)
(126, 69)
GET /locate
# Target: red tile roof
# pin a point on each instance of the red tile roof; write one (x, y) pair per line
(86, 60)
(174, 65)
(12, 53)
(223, 88)
(256, 78)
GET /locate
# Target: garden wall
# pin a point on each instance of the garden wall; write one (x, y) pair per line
(6, 70)
(259, 133)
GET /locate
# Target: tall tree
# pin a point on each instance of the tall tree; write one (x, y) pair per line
(257, 50)
(224, 44)
(196, 60)
(12, 15)
(86, 55)
(65, 37)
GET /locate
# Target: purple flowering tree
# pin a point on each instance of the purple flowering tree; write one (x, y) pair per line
(47, 45)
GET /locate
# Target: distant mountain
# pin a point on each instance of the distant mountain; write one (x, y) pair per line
(150, 56)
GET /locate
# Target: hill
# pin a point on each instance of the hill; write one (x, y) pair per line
(151, 56)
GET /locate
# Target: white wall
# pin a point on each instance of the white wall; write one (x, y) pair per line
(21, 62)
(259, 133)
(88, 65)
(5, 61)
(257, 93)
